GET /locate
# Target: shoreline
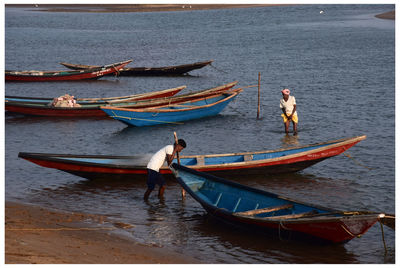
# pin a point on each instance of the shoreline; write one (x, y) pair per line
(36, 235)
(108, 8)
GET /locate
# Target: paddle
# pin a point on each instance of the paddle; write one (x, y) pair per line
(179, 162)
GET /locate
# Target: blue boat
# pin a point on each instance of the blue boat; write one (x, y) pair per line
(270, 213)
(173, 114)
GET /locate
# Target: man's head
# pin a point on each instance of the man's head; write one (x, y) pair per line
(285, 94)
(181, 145)
(285, 91)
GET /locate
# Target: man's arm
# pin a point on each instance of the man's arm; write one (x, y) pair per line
(170, 157)
(284, 112)
(294, 110)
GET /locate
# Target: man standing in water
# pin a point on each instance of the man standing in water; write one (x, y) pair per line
(288, 106)
(157, 160)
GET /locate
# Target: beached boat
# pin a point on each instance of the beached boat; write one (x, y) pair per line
(269, 213)
(91, 106)
(240, 165)
(49, 76)
(148, 71)
(174, 113)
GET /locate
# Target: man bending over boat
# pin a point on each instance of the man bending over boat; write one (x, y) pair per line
(153, 167)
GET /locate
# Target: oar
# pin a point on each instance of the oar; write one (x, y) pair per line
(179, 162)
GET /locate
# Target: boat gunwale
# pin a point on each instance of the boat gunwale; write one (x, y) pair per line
(99, 101)
(334, 144)
(58, 157)
(231, 94)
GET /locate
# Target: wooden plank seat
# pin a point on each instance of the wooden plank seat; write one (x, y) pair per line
(200, 160)
(263, 210)
(292, 216)
(248, 157)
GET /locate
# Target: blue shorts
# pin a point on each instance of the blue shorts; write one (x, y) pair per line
(153, 178)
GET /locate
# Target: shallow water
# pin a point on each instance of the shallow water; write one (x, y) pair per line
(339, 66)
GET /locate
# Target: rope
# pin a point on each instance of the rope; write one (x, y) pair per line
(355, 161)
(217, 68)
(350, 233)
(117, 71)
(151, 120)
(279, 230)
(383, 236)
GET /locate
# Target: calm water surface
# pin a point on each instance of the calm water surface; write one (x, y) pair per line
(339, 66)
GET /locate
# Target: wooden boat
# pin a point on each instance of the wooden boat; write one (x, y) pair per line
(48, 76)
(90, 107)
(148, 71)
(172, 114)
(227, 165)
(134, 97)
(270, 213)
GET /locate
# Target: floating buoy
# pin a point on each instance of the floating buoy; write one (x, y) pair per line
(321, 12)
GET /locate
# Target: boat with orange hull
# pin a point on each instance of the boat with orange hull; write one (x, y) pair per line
(227, 165)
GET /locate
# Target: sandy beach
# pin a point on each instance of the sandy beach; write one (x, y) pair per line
(37, 235)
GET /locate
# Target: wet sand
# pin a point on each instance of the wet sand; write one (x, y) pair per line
(37, 235)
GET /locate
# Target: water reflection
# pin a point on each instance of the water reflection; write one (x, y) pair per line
(290, 141)
(246, 246)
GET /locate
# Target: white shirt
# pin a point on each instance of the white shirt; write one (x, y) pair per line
(158, 159)
(288, 105)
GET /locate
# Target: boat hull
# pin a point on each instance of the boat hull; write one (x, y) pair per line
(169, 115)
(39, 107)
(270, 213)
(150, 71)
(93, 74)
(113, 167)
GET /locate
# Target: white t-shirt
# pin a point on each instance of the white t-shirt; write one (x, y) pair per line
(158, 159)
(288, 105)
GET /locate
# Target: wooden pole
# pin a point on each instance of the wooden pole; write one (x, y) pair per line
(259, 82)
(179, 162)
(177, 154)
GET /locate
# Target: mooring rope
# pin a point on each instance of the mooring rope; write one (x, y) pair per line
(383, 236)
(349, 232)
(217, 69)
(151, 120)
(355, 161)
(117, 71)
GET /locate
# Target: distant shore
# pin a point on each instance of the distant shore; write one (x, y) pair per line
(37, 235)
(387, 15)
(105, 8)
(109, 8)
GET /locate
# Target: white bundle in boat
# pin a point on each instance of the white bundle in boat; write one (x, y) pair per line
(65, 101)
